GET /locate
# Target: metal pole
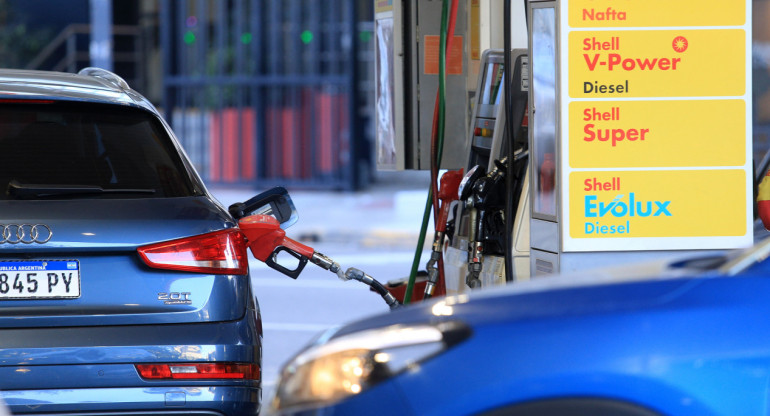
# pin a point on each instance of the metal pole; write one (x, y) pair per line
(355, 131)
(260, 122)
(167, 53)
(100, 48)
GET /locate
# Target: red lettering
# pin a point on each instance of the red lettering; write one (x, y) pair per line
(609, 14)
(613, 135)
(591, 63)
(592, 114)
(646, 64)
(593, 184)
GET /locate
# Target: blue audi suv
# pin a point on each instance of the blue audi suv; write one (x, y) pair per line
(124, 285)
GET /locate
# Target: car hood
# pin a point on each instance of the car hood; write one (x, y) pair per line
(550, 297)
(634, 338)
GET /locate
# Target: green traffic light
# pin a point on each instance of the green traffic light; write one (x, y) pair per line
(246, 38)
(306, 36)
(189, 37)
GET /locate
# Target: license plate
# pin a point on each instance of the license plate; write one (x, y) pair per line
(40, 279)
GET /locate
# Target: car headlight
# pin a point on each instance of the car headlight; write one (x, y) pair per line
(327, 372)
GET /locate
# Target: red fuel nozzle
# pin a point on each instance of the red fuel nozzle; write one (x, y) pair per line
(265, 235)
(266, 240)
(450, 182)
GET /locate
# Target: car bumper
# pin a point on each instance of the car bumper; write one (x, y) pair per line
(92, 369)
(201, 400)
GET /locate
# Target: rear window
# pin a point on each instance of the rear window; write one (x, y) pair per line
(78, 150)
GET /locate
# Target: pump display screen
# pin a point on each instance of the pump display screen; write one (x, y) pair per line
(493, 80)
(490, 93)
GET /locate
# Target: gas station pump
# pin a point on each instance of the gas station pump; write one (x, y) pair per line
(610, 168)
(405, 82)
(481, 225)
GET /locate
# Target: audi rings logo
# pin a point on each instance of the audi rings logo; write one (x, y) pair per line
(25, 233)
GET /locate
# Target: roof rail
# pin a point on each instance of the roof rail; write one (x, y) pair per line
(106, 75)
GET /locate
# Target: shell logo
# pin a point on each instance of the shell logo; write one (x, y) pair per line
(680, 44)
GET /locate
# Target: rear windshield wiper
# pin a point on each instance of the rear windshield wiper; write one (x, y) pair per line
(31, 191)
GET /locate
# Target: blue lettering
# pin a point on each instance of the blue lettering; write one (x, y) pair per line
(662, 208)
(597, 228)
(623, 210)
(643, 213)
(603, 210)
(590, 207)
(619, 208)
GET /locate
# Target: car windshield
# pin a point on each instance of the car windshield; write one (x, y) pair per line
(79, 150)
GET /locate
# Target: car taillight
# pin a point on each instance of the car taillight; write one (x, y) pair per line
(199, 371)
(220, 252)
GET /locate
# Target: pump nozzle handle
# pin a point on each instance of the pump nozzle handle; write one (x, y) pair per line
(450, 182)
(267, 240)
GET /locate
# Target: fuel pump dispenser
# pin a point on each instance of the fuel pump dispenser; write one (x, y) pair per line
(599, 170)
(405, 43)
(482, 225)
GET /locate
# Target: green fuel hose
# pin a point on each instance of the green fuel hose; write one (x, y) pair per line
(440, 103)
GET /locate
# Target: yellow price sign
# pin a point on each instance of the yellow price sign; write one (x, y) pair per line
(655, 134)
(656, 13)
(657, 63)
(673, 203)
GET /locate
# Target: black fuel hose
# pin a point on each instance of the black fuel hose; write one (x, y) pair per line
(359, 275)
(510, 216)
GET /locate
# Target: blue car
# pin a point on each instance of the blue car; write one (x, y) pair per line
(124, 285)
(691, 340)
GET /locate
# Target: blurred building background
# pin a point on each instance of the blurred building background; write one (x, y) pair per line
(259, 92)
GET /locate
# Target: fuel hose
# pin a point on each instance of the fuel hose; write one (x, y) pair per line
(509, 129)
(437, 140)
